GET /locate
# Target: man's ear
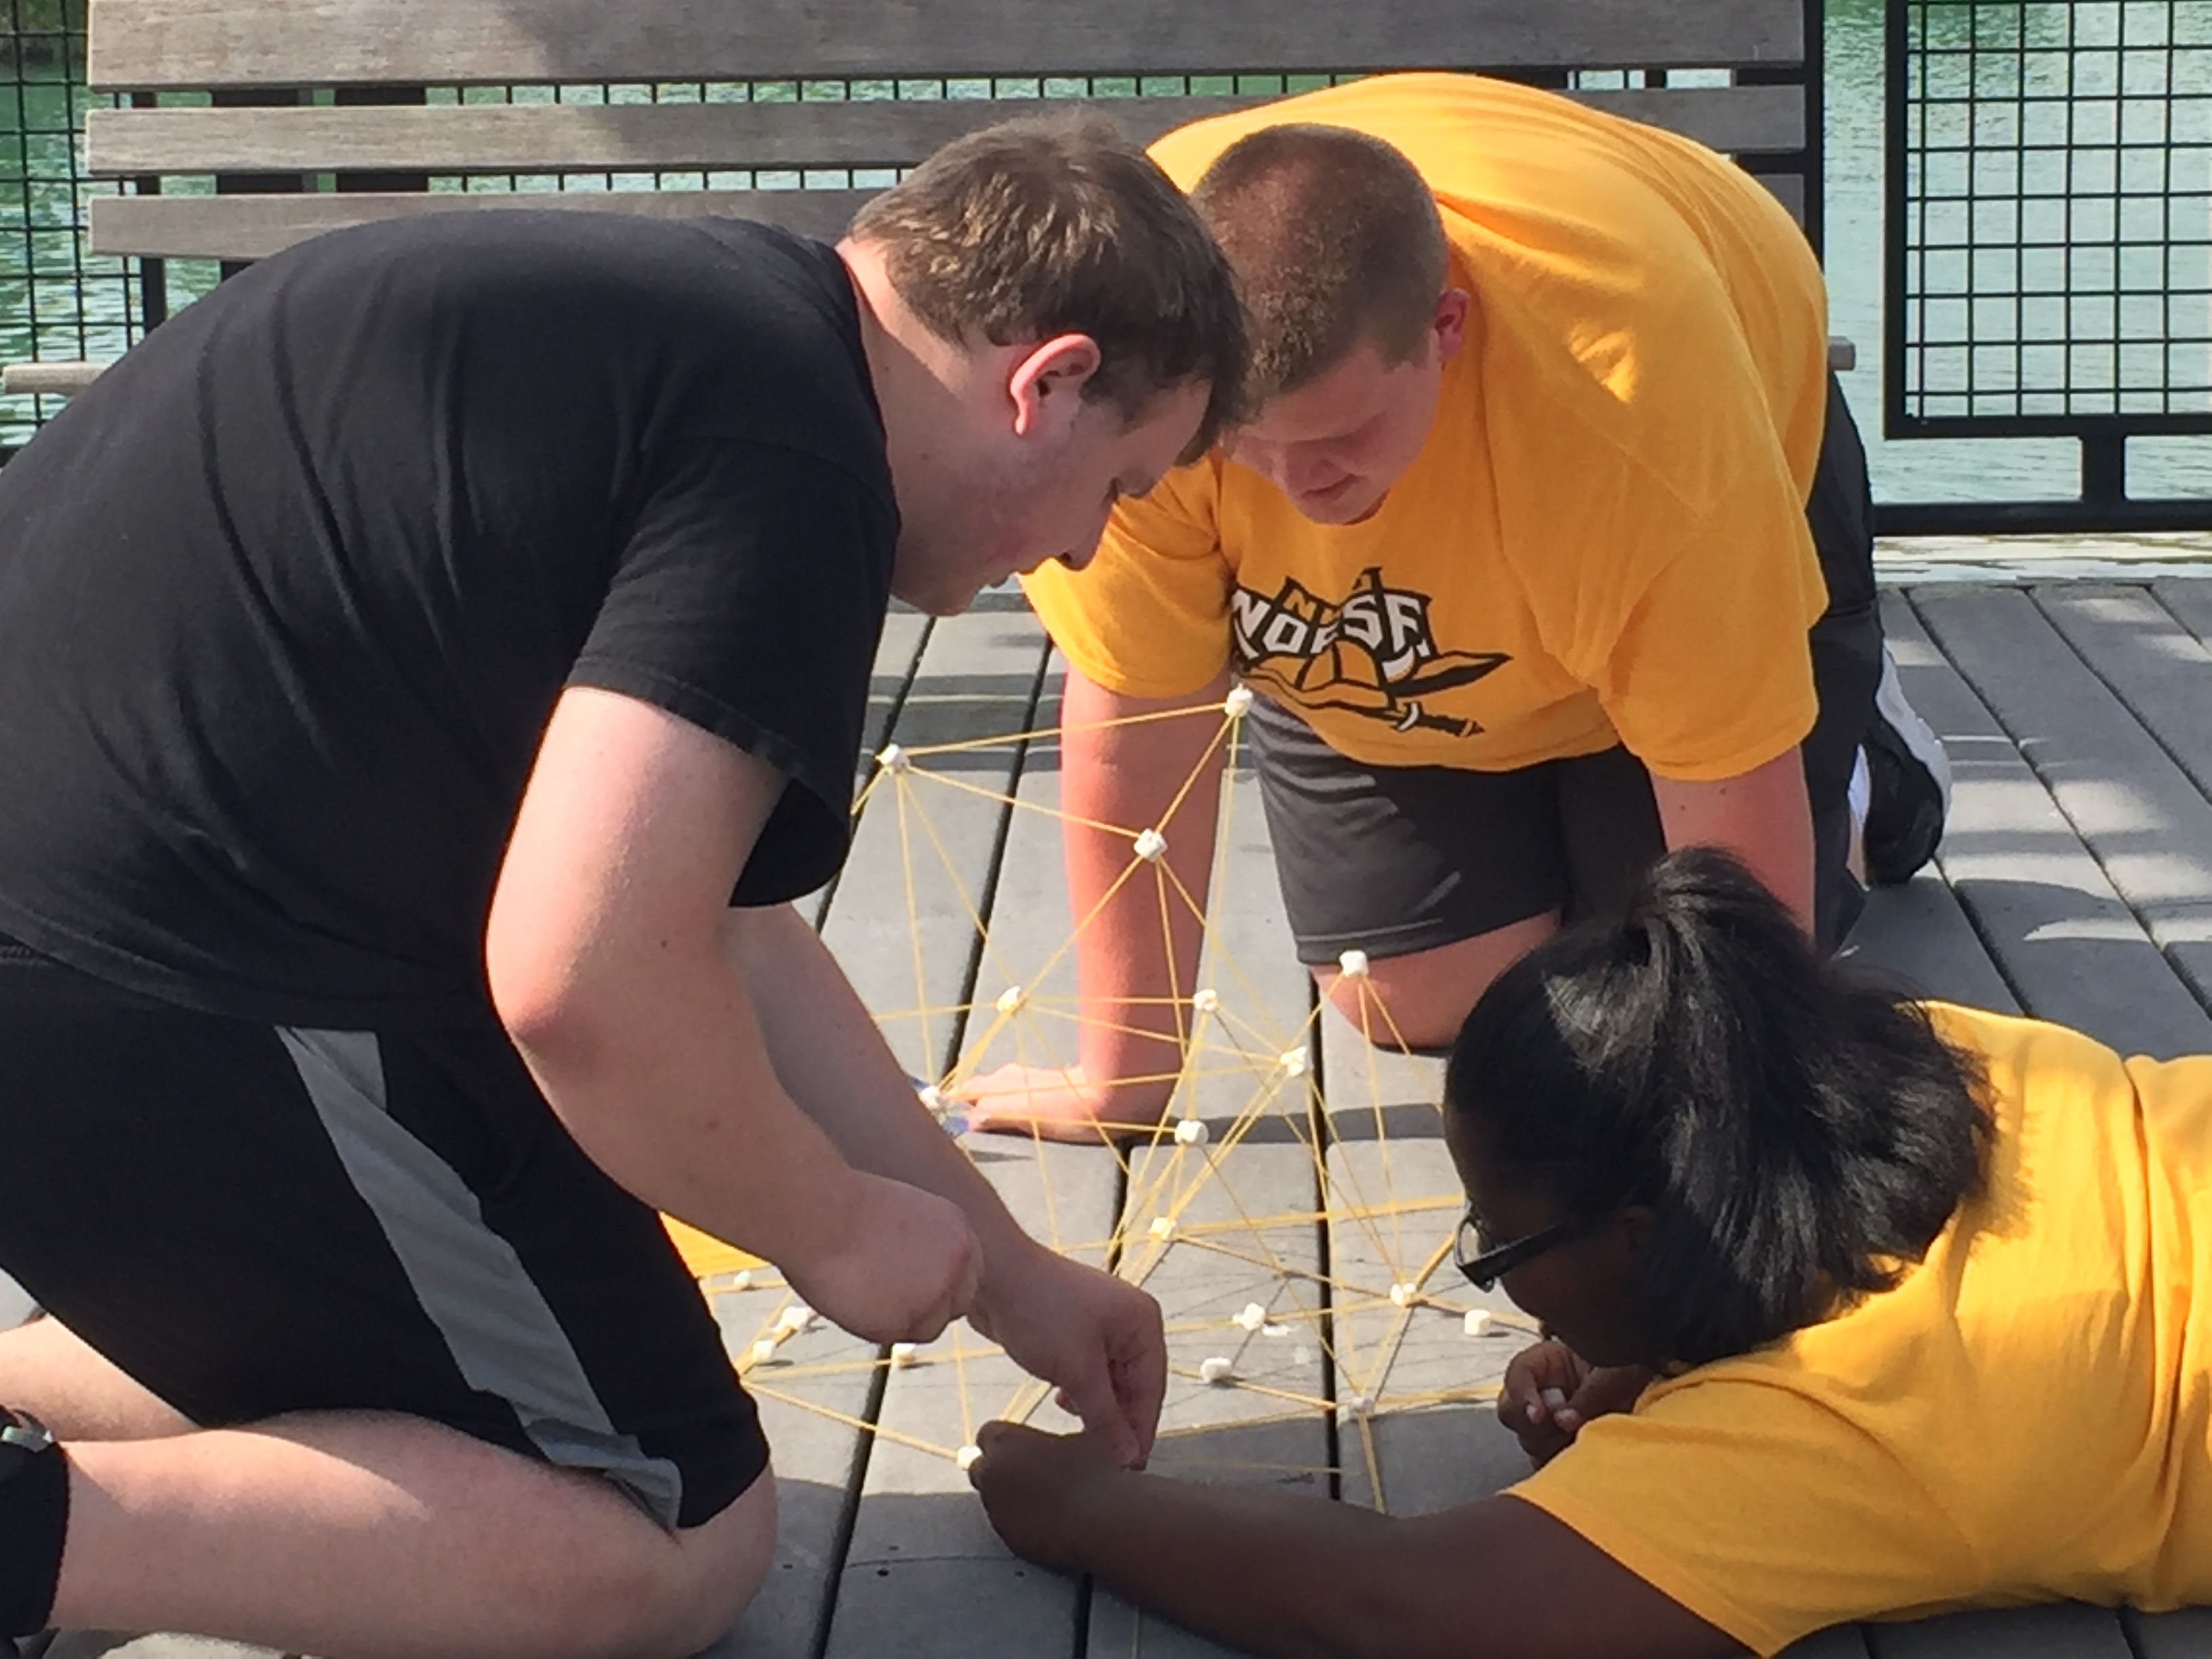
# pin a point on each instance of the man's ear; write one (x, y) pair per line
(1453, 305)
(1635, 1221)
(1047, 386)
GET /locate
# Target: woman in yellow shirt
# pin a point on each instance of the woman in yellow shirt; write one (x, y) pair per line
(1898, 1308)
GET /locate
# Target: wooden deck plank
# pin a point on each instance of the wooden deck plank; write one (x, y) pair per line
(1918, 934)
(924, 852)
(2183, 1635)
(2161, 672)
(1919, 931)
(923, 1575)
(2137, 813)
(2189, 600)
(1235, 1435)
(2065, 941)
(822, 1380)
(2157, 668)
(2067, 1630)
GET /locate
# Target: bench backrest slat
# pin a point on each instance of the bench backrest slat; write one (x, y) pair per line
(462, 138)
(153, 44)
(255, 227)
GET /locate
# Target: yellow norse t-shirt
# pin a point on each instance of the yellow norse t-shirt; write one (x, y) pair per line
(2027, 1417)
(1603, 540)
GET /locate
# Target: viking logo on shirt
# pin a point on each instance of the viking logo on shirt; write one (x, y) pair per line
(1373, 654)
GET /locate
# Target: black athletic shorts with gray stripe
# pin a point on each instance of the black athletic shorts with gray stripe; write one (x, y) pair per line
(1393, 860)
(252, 1221)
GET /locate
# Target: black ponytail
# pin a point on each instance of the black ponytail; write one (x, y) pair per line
(1799, 1135)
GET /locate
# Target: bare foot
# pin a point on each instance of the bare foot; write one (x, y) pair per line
(1045, 1102)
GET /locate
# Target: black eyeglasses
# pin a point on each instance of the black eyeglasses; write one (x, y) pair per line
(1485, 1261)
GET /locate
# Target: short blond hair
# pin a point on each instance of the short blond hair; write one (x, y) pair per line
(1037, 227)
(1335, 240)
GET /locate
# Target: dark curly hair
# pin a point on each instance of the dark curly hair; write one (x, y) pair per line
(1798, 1133)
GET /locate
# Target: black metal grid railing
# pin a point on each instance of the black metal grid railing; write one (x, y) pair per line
(55, 301)
(2051, 229)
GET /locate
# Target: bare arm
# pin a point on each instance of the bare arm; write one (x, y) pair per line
(1097, 1337)
(1130, 967)
(605, 958)
(1291, 1578)
(1762, 816)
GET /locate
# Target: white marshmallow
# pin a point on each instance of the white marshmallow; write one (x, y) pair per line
(1216, 1371)
(796, 1318)
(1555, 1398)
(894, 759)
(763, 1350)
(1238, 700)
(932, 1096)
(1295, 1061)
(1353, 965)
(1252, 1318)
(1192, 1132)
(968, 1457)
(743, 1281)
(1009, 999)
(1151, 846)
(905, 1354)
(1405, 1295)
(1359, 1405)
(1478, 1322)
(1163, 1227)
(1208, 1001)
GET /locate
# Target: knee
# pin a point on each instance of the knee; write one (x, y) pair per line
(691, 1590)
(1395, 1010)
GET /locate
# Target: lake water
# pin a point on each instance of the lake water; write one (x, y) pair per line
(1917, 470)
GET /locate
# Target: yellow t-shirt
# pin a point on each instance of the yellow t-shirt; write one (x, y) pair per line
(1606, 532)
(2027, 1417)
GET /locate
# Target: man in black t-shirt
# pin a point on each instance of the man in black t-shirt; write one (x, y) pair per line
(407, 652)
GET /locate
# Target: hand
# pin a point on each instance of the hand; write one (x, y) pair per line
(1048, 1101)
(1098, 1340)
(906, 1265)
(1551, 1391)
(1035, 1486)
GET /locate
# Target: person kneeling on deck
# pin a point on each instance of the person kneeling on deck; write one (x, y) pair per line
(1545, 483)
(408, 651)
(1904, 1308)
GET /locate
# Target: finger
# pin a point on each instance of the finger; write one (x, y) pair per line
(1140, 1379)
(1092, 1397)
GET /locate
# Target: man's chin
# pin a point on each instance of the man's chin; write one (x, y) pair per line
(1354, 506)
(935, 599)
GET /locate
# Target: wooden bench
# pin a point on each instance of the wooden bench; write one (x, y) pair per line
(334, 114)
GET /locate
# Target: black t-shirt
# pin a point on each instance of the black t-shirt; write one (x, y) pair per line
(287, 596)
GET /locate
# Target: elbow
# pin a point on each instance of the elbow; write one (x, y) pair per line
(554, 1007)
(1407, 1605)
(551, 1024)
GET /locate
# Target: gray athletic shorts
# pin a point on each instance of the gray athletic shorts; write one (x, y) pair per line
(252, 1220)
(1393, 860)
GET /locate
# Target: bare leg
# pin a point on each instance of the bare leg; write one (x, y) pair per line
(48, 1370)
(1419, 1001)
(365, 1535)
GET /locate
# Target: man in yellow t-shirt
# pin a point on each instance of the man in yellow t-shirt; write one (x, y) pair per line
(1546, 546)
